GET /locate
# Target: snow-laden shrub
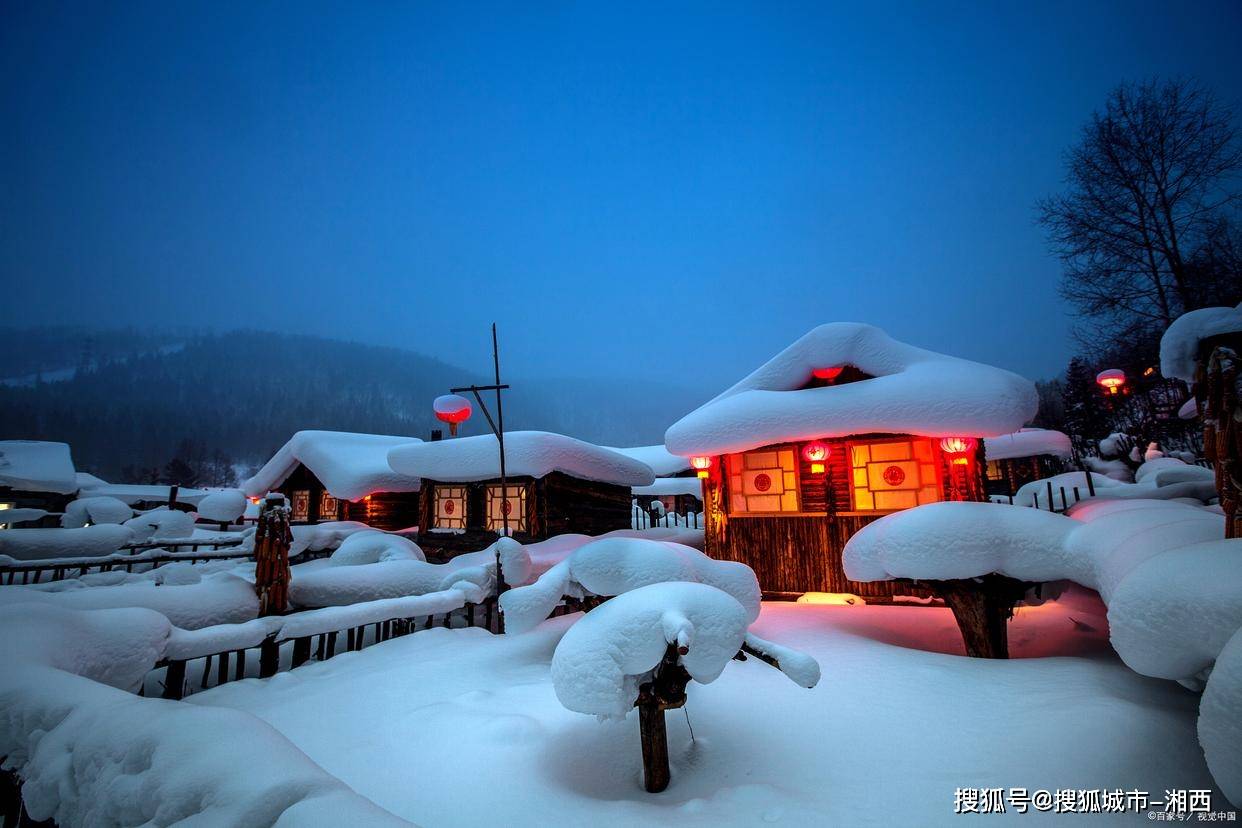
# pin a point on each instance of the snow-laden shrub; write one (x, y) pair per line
(603, 658)
(374, 546)
(320, 537)
(224, 507)
(1220, 720)
(161, 524)
(612, 566)
(95, 510)
(46, 544)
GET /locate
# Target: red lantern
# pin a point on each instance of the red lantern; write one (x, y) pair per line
(828, 374)
(815, 452)
(957, 445)
(452, 409)
(701, 465)
(1111, 379)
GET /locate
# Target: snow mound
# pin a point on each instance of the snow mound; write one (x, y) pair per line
(1164, 478)
(161, 524)
(913, 391)
(349, 465)
(527, 454)
(37, 466)
(1179, 347)
(616, 565)
(48, 544)
(1028, 442)
(98, 509)
(374, 546)
(226, 506)
(660, 460)
(320, 537)
(1220, 724)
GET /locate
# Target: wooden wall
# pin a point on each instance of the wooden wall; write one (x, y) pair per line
(47, 501)
(385, 510)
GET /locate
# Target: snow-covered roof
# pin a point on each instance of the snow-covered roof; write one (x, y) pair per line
(527, 454)
(349, 465)
(912, 391)
(37, 466)
(663, 463)
(132, 493)
(1027, 442)
(667, 486)
(1179, 347)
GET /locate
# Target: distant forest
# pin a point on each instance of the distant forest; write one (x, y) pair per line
(199, 408)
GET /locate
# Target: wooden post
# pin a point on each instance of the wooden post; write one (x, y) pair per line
(665, 691)
(174, 680)
(269, 657)
(301, 650)
(982, 608)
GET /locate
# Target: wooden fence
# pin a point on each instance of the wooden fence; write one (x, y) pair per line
(645, 518)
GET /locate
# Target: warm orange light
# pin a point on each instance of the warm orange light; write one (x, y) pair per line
(704, 474)
(815, 452)
(701, 463)
(817, 468)
(960, 461)
(957, 445)
(367, 498)
(829, 373)
(1111, 379)
(256, 500)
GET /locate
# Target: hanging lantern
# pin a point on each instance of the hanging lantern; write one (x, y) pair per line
(827, 374)
(1111, 379)
(701, 465)
(816, 454)
(957, 445)
(452, 409)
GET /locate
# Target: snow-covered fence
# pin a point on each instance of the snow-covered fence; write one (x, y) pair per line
(314, 635)
(127, 557)
(648, 519)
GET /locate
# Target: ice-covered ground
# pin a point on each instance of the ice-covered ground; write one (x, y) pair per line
(459, 727)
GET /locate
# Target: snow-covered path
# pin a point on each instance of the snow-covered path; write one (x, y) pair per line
(457, 727)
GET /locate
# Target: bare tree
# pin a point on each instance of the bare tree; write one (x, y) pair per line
(1146, 227)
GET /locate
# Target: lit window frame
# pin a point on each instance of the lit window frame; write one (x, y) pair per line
(517, 517)
(739, 457)
(936, 463)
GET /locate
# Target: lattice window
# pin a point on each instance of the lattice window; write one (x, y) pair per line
(763, 482)
(327, 507)
(514, 505)
(892, 475)
(301, 504)
(450, 507)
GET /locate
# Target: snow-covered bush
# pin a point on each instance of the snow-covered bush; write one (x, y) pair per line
(1220, 723)
(615, 565)
(320, 537)
(602, 660)
(100, 509)
(223, 507)
(161, 524)
(374, 546)
(46, 544)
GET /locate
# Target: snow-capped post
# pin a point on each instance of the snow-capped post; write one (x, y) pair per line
(498, 428)
(271, 570)
(642, 648)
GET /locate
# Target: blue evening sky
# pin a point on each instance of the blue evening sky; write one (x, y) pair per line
(674, 190)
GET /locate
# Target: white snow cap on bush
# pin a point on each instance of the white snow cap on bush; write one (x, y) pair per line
(37, 466)
(373, 546)
(349, 465)
(1179, 347)
(914, 391)
(527, 454)
(615, 565)
(1027, 442)
(603, 658)
(98, 509)
(226, 506)
(161, 524)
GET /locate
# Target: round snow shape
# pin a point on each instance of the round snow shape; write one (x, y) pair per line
(1220, 727)
(225, 507)
(98, 509)
(452, 408)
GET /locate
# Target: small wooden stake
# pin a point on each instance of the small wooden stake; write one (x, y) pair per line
(665, 691)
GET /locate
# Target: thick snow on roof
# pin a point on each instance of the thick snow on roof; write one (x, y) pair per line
(349, 465)
(527, 454)
(663, 463)
(1179, 347)
(141, 492)
(36, 466)
(913, 391)
(1027, 442)
(666, 486)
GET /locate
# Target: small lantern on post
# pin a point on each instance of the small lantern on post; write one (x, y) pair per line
(702, 465)
(453, 409)
(1112, 380)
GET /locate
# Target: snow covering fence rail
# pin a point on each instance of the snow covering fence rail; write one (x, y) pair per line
(315, 635)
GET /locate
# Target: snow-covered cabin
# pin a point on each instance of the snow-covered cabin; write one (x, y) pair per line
(1013, 460)
(37, 478)
(844, 426)
(555, 484)
(675, 487)
(340, 475)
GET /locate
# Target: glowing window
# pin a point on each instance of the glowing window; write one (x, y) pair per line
(892, 475)
(5, 507)
(514, 505)
(327, 507)
(301, 504)
(763, 482)
(450, 507)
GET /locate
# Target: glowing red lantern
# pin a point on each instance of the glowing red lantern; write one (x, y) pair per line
(957, 445)
(815, 452)
(828, 374)
(452, 409)
(701, 465)
(1111, 379)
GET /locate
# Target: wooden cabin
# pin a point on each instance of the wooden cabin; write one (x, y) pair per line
(335, 475)
(554, 485)
(675, 489)
(37, 482)
(842, 428)
(1013, 460)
